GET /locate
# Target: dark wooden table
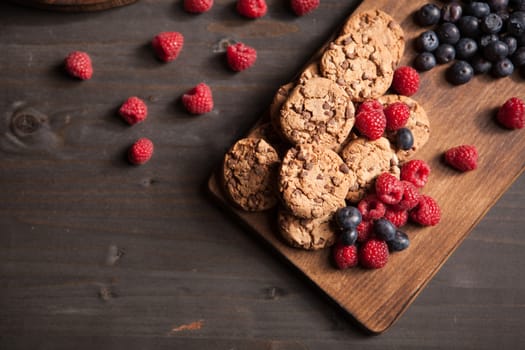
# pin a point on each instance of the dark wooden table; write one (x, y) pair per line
(98, 254)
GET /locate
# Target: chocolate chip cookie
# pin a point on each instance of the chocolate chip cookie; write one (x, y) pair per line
(309, 234)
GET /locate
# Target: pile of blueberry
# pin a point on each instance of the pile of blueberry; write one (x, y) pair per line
(476, 36)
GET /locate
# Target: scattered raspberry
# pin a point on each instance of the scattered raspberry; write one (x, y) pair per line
(512, 114)
(168, 45)
(371, 122)
(398, 217)
(389, 189)
(365, 230)
(410, 197)
(134, 110)
(415, 171)
(252, 8)
(371, 207)
(141, 151)
(427, 212)
(462, 158)
(240, 56)
(373, 254)
(345, 256)
(406, 80)
(302, 7)
(370, 105)
(397, 115)
(198, 100)
(78, 65)
(197, 6)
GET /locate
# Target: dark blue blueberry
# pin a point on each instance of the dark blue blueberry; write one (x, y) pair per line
(487, 39)
(451, 12)
(466, 48)
(349, 236)
(496, 5)
(480, 64)
(477, 9)
(460, 72)
(511, 42)
(400, 242)
(503, 68)
(495, 51)
(516, 24)
(448, 33)
(425, 61)
(427, 41)
(404, 139)
(468, 26)
(445, 53)
(518, 58)
(348, 217)
(491, 24)
(384, 229)
(428, 15)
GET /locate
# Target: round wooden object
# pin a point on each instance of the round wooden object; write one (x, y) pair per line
(74, 5)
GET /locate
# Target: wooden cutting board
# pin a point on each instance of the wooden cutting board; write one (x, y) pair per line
(74, 5)
(458, 115)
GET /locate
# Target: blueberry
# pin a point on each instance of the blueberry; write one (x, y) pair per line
(451, 12)
(497, 5)
(516, 24)
(348, 217)
(487, 39)
(448, 33)
(503, 68)
(460, 72)
(491, 24)
(400, 242)
(477, 9)
(425, 61)
(445, 53)
(384, 229)
(468, 26)
(495, 51)
(465, 48)
(427, 41)
(428, 15)
(349, 236)
(518, 58)
(511, 42)
(480, 64)
(404, 139)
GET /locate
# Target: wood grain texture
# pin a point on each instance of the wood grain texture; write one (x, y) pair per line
(74, 5)
(97, 254)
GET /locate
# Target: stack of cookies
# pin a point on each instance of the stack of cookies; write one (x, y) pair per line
(306, 157)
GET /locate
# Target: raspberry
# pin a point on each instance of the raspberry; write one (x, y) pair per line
(427, 212)
(371, 207)
(406, 80)
(78, 65)
(397, 115)
(197, 6)
(198, 100)
(252, 8)
(141, 151)
(389, 189)
(512, 114)
(371, 123)
(365, 231)
(168, 45)
(410, 197)
(398, 217)
(370, 105)
(373, 254)
(240, 56)
(302, 7)
(415, 171)
(345, 256)
(462, 158)
(134, 110)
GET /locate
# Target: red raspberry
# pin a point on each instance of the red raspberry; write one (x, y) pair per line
(168, 45)
(512, 114)
(302, 7)
(134, 110)
(427, 212)
(240, 56)
(198, 100)
(397, 115)
(398, 217)
(410, 197)
(252, 8)
(365, 231)
(371, 123)
(406, 80)
(373, 254)
(197, 6)
(371, 207)
(415, 171)
(389, 189)
(78, 65)
(345, 256)
(141, 151)
(462, 158)
(370, 105)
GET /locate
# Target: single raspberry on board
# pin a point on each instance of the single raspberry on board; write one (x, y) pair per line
(371, 123)
(240, 56)
(252, 8)
(426, 212)
(371, 207)
(134, 110)
(168, 45)
(397, 115)
(406, 80)
(389, 189)
(373, 254)
(512, 113)
(416, 171)
(198, 100)
(141, 151)
(463, 157)
(197, 6)
(78, 64)
(345, 256)
(302, 7)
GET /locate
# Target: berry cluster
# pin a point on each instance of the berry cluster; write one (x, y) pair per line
(476, 36)
(251, 8)
(370, 231)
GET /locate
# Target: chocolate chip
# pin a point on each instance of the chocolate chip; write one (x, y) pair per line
(344, 168)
